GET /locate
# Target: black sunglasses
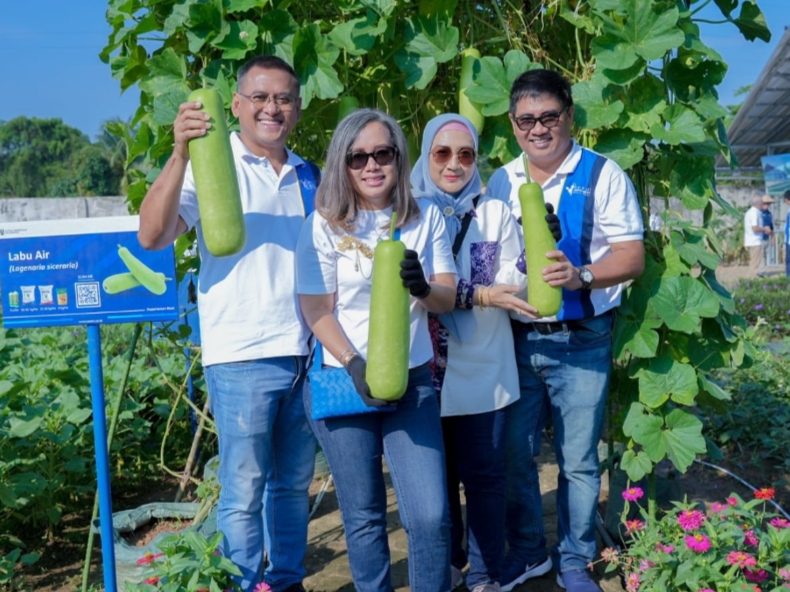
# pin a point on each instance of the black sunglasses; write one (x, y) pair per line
(383, 156)
(547, 120)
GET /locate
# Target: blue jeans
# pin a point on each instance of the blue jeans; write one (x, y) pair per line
(411, 441)
(564, 375)
(266, 462)
(475, 446)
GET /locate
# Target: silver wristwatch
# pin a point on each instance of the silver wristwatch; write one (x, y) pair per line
(586, 276)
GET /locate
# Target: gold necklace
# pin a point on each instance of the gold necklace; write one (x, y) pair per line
(352, 243)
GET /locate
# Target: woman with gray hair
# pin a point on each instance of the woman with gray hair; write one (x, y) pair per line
(366, 178)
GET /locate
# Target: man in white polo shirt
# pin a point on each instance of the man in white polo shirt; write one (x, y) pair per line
(753, 230)
(255, 342)
(564, 362)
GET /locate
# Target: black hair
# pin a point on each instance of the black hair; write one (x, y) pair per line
(267, 62)
(787, 194)
(534, 83)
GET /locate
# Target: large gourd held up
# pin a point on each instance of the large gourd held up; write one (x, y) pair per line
(387, 372)
(538, 240)
(221, 214)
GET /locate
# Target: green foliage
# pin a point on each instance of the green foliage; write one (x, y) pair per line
(756, 418)
(46, 435)
(188, 562)
(765, 301)
(47, 158)
(8, 565)
(739, 544)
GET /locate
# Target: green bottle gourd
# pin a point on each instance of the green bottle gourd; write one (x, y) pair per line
(389, 330)
(216, 183)
(469, 109)
(538, 240)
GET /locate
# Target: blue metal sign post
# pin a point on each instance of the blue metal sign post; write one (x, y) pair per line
(90, 271)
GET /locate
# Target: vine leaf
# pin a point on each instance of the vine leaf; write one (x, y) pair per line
(636, 465)
(726, 6)
(751, 22)
(683, 438)
(645, 104)
(498, 140)
(314, 57)
(429, 41)
(682, 301)
(235, 6)
(238, 40)
(691, 247)
(358, 36)
(647, 31)
(165, 71)
(636, 319)
(684, 126)
(492, 81)
(591, 106)
(278, 29)
(205, 21)
(664, 378)
(625, 147)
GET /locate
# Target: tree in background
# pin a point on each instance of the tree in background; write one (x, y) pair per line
(47, 158)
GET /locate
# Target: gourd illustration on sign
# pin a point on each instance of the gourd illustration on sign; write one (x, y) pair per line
(139, 274)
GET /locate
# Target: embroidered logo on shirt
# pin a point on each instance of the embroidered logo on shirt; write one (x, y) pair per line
(574, 189)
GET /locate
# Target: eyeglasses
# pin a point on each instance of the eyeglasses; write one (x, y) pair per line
(547, 120)
(442, 155)
(283, 102)
(383, 156)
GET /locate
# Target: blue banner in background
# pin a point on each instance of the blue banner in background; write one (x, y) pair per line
(776, 170)
(87, 271)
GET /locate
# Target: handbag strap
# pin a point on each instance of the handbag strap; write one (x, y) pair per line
(318, 351)
(459, 238)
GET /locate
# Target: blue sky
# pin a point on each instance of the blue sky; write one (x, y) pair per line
(50, 67)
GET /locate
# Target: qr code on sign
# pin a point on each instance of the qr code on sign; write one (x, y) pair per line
(88, 295)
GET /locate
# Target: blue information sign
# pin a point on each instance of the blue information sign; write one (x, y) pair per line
(88, 271)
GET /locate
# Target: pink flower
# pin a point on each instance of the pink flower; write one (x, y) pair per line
(780, 523)
(758, 576)
(664, 548)
(691, 519)
(148, 558)
(750, 539)
(263, 587)
(153, 581)
(784, 574)
(717, 507)
(698, 542)
(631, 526)
(610, 555)
(732, 501)
(740, 559)
(632, 584)
(644, 565)
(632, 494)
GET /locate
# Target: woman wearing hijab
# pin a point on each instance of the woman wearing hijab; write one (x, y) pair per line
(474, 368)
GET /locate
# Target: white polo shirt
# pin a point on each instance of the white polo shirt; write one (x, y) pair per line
(338, 263)
(617, 217)
(753, 217)
(247, 302)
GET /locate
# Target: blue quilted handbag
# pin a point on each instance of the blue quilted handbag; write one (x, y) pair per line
(333, 392)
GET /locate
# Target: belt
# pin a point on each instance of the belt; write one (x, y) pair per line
(548, 328)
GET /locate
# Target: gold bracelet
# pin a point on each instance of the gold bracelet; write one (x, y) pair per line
(346, 356)
(482, 299)
(488, 297)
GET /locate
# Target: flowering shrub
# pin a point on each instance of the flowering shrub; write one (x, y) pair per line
(739, 546)
(188, 562)
(767, 298)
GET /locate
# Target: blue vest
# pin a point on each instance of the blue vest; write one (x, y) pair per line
(577, 214)
(309, 176)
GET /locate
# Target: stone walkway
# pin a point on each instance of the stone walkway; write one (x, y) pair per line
(327, 562)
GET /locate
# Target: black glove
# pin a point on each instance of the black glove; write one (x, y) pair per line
(553, 221)
(413, 276)
(356, 370)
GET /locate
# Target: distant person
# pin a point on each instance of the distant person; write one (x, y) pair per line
(768, 236)
(787, 233)
(255, 342)
(753, 230)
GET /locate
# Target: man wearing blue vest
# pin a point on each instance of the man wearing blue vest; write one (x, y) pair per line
(564, 362)
(255, 342)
